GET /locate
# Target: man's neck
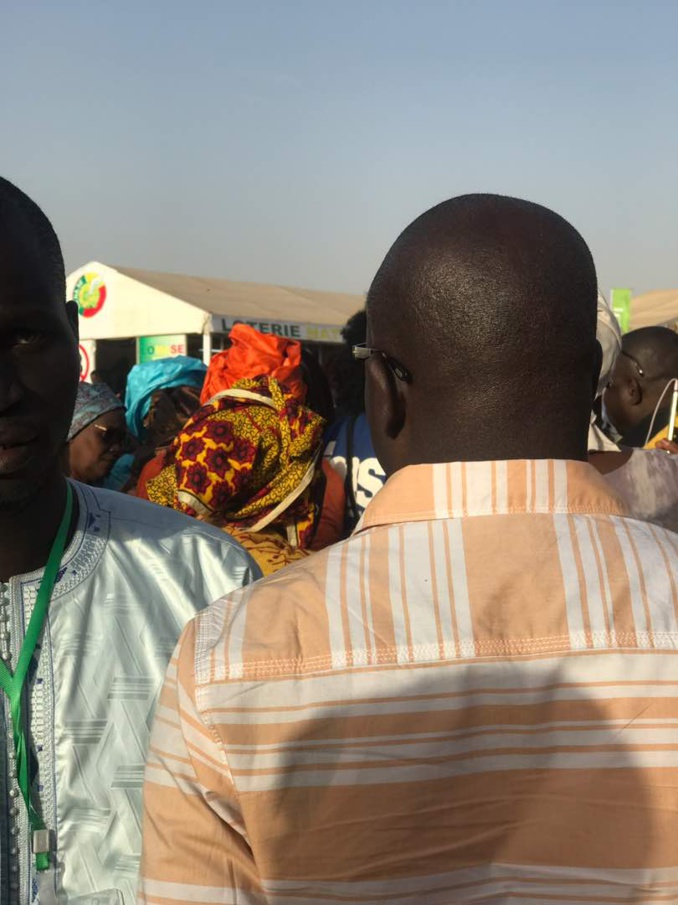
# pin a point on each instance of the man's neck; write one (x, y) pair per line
(28, 532)
(637, 436)
(500, 447)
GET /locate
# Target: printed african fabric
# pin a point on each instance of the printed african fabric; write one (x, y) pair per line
(248, 459)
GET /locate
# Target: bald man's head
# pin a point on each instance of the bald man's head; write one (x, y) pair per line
(490, 303)
(39, 361)
(656, 349)
(648, 361)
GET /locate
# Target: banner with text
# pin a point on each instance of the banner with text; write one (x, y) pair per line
(151, 348)
(316, 333)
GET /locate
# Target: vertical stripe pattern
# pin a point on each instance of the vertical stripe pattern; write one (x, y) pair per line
(474, 699)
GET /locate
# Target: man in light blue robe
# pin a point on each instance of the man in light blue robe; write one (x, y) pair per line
(130, 576)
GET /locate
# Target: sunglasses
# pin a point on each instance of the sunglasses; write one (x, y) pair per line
(362, 352)
(112, 436)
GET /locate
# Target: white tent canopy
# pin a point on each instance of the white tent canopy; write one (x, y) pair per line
(659, 308)
(121, 303)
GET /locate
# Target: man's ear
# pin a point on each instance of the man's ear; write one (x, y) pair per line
(73, 320)
(389, 393)
(633, 391)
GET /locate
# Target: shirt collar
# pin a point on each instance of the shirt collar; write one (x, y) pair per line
(466, 489)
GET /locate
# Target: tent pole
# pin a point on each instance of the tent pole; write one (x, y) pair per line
(207, 348)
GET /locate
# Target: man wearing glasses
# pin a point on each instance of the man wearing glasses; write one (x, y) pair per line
(471, 699)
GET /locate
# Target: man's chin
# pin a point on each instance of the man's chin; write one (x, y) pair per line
(18, 493)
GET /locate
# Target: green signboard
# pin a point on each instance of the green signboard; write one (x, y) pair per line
(151, 348)
(621, 305)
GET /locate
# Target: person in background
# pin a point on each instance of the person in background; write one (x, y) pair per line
(471, 699)
(331, 525)
(97, 435)
(154, 376)
(95, 588)
(646, 478)
(349, 448)
(248, 460)
(609, 336)
(318, 391)
(160, 397)
(638, 398)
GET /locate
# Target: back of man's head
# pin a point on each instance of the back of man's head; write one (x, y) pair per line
(490, 303)
(655, 348)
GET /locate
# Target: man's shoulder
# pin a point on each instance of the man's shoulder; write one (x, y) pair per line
(279, 625)
(157, 524)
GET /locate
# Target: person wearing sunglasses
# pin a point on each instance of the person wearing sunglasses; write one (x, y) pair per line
(638, 397)
(98, 434)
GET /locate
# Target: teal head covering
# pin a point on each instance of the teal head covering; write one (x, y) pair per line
(146, 378)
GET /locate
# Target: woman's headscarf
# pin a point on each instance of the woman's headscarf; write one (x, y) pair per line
(609, 335)
(247, 459)
(252, 354)
(147, 378)
(92, 401)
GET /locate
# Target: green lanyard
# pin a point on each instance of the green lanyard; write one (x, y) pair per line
(13, 685)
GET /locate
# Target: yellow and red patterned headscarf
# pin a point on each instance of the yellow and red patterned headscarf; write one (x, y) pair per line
(247, 459)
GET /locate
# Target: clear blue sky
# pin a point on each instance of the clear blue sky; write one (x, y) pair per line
(290, 141)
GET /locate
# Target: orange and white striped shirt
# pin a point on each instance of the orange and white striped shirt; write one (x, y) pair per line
(474, 699)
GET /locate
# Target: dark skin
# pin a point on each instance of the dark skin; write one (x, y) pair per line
(39, 372)
(490, 303)
(648, 361)
(94, 451)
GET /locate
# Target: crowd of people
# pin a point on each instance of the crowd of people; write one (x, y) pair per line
(405, 630)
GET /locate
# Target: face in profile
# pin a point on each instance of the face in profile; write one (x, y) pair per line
(39, 365)
(617, 396)
(94, 451)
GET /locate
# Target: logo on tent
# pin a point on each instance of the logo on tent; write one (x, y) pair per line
(90, 294)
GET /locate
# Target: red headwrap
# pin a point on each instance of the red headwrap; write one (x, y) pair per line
(252, 354)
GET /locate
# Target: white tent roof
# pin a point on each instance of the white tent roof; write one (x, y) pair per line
(659, 308)
(148, 303)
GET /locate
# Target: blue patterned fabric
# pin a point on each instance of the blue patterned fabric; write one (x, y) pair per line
(93, 401)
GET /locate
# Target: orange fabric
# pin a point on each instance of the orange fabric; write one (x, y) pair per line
(331, 525)
(150, 470)
(252, 354)
(473, 699)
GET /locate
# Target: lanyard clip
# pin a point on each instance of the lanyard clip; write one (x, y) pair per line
(41, 844)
